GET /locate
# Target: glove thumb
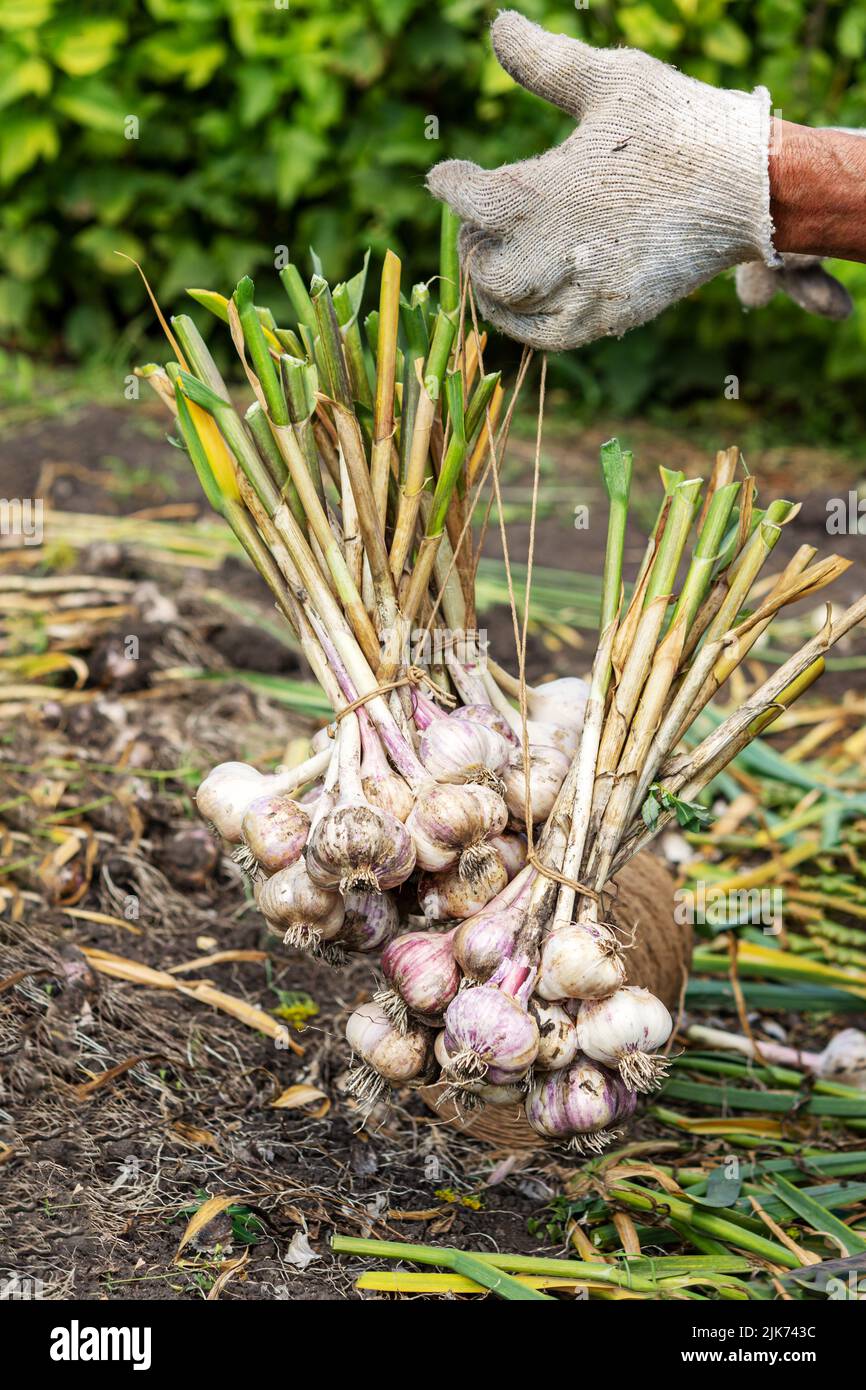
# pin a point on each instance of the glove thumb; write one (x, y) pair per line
(561, 70)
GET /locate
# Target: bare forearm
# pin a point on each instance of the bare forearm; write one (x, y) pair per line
(818, 191)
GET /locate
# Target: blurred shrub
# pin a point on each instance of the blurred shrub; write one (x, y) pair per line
(197, 135)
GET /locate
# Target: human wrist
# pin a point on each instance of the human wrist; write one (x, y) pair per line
(818, 191)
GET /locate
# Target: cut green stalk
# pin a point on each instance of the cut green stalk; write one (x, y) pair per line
(413, 483)
(257, 420)
(386, 364)
(199, 359)
(727, 596)
(414, 480)
(259, 355)
(515, 1264)
(639, 657)
(723, 473)
(289, 342)
(330, 344)
(444, 329)
(691, 774)
(261, 556)
(371, 530)
(218, 305)
(665, 663)
(347, 302)
(302, 305)
(734, 649)
(425, 560)
(479, 401)
(242, 447)
(617, 471)
(697, 580)
(415, 332)
(299, 384)
(320, 527)
(725, 1230)
(449, 260)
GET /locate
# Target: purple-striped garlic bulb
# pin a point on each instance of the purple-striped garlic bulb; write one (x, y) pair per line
(422, 976)
(227, 791)
(484, 941)
(381, 786)
(625, 1031)
(489, 1034)
(491, 718)
(452, 825)
(580, 960)
(478, 1092)
(462, 750)
(511, 849)
(275, 830)
(579, 1104)
(370, 920)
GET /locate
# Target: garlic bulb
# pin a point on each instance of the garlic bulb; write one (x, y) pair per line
(557, 1036)
(447, 897)
(564, 737)
(624, 1031)
(548, 768)
(294, 905)
(561, 702)
(484, 1092)
(275, 830)
(462, 750)
(423, 975)
(489, 1036)
(389, 1057)
(452, 824)
(370, 920)
(483, 942)
(511, 850)
(491, 718)
(227, 791)
(582, 960)
(382, 786)
(356, 845)
(842, 1060)
(359, 847)
(579, 1103)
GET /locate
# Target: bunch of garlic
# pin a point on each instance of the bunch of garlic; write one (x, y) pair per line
(424, 825)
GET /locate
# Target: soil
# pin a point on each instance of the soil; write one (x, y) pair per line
(127, 1104)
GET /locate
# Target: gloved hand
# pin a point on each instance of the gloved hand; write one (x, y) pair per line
(663, 184)
(802, 278)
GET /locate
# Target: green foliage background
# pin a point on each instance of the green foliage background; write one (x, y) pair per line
(298, 122)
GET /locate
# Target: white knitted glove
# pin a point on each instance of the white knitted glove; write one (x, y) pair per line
(801, 278)
(663, 184)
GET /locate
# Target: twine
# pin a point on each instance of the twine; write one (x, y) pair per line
(414, 676)
(554, 874)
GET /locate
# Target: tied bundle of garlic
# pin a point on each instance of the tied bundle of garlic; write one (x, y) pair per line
(451, 818)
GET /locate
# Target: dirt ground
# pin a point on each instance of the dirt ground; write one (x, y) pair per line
(129, 1098)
